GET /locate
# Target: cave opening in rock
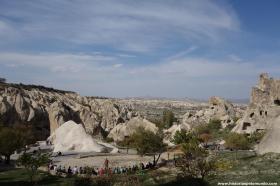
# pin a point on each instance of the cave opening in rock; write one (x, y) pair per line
(246, 125)
(261, 112)
(252, 114)
(277, 102)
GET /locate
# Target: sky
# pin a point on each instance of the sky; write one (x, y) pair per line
(129, 48)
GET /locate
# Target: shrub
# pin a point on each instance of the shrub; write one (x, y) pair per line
(168, 118)
(195, 163)
(214, 124)
(236, 142)
(147, 142)
(182, 136)
(256, 137)
(31, 162)
(12, 139)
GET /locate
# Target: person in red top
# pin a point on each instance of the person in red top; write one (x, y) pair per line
(106, 164)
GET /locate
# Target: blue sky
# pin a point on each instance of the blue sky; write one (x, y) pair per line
(161, 48)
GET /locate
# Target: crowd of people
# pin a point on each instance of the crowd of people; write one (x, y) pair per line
(99, 171)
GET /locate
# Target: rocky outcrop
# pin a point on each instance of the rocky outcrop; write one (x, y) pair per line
(169, 133)
(71, 136)
(270, 142)
(264, 106)
(46, 109)
(119, 132)
(218, 109)
(263, 114)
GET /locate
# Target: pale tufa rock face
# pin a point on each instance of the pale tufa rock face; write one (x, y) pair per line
(218, 109)
(170, 133)
(263, 114)
(123, 130)
(264, 106)
(47, 109)
(71, 136)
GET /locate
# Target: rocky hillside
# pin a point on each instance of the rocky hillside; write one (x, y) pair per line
(46, 109)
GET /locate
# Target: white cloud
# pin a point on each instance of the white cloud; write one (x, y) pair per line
(117, 65)
(53, 62)
(180, 77)
(123, 24)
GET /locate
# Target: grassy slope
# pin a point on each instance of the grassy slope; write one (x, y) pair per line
(246, 168)
(19, 177)
(249, 168)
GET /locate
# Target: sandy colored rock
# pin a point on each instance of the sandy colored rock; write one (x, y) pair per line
(71, 136)
(218, 108)
(263, 114)
(48, 108)
(264, 106)
(119, 132)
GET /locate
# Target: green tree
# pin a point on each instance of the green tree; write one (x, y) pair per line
(31, 162)
(9, 142)
(181, 137)
(168, 118)
(196, 162)
(147, 142)
(236, 142)
(12, 139)
(202, 129)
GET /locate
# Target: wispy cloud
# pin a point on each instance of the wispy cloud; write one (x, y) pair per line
(131, 48)
(122, 24)
(180, 77)
(52, 61)
(182, 53)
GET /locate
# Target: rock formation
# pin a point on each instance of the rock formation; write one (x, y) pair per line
(119, 132)
(264, 106)
(47, 109)
(218, 109)
(263, 114)
(71, 136)
(169, 133)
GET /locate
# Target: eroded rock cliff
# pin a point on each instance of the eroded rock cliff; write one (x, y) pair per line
(218, 108)
(263, 108)
(46, 109)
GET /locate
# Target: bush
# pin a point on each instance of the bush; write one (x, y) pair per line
(168, 118)
(202, 129)
(236, 141)
(195, 163)
(181, 137)
(12, 139)
(147, 142)
(256, 137)
(31, 162)
(213, 129)
(214, 124)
